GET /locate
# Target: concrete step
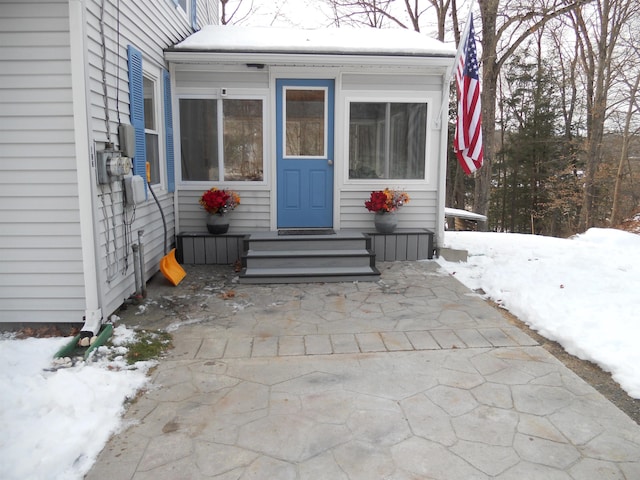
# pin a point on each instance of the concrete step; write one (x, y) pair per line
(269, 241)
(272, 258)
(309, 275)
(308, 258)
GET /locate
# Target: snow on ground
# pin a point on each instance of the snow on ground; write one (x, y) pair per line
(55, 423)
(583, 292)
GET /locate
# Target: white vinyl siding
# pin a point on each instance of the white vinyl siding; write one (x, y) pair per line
(420, 212)
(41, 263)
(41, 272)
(390, 81)
(253, 213)
(191, 80)
(149, 26)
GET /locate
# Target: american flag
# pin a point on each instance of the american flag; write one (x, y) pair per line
(468, 138)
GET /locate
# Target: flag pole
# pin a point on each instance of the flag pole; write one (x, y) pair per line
(445, 88)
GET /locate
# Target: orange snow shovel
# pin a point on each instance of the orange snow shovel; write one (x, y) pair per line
(169, 266)
(171, 269)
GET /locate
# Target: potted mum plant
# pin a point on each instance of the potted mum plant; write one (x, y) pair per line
(217, 203)
(385, 203)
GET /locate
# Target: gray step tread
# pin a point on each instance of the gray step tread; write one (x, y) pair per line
(303, 246)
(266, 236)
(373, 277)
(305, 271)
(308, 253)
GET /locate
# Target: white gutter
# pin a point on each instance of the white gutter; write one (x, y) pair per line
(297, 59)
(84, 162)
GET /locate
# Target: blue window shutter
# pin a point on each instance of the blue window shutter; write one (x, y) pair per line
(136, 111)
(194, 14)
(168, 132)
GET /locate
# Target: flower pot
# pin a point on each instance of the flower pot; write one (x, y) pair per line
(385, 222)
(217, 224)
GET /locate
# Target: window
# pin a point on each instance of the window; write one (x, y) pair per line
(387, 140)
(188, 7)
(243, 140)
(222, 139)
(150, 116)
(151, 127)
(305, 128)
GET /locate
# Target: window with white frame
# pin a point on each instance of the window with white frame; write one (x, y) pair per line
(188, 9)
(387, 140)
(151, 126)
(222, 139)
(150, 116)
(305, 128)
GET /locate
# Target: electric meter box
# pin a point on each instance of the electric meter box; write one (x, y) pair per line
(134, 191)
(112, 166)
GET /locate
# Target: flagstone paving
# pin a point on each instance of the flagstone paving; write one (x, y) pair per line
(412, 377)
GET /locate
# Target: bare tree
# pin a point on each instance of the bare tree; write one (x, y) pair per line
(507, 23)
(627, 134)
(598, 28)
(231, 12)
(372, 13)
(441, 8)
(381, 13)
(566, 62)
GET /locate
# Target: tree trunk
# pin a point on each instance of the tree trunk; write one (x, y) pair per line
(626, 139)
(598, 58)
(490, 70)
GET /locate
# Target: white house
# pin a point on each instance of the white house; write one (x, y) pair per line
(302, 124)
(65, 238)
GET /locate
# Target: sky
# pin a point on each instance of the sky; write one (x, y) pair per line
(281, 13)
(309, 14)
(583, 292)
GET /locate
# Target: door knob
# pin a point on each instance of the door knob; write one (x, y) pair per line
(330, 162)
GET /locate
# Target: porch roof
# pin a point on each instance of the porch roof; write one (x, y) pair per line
(331, 41)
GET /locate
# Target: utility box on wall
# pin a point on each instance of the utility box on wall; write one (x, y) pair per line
(134, 191)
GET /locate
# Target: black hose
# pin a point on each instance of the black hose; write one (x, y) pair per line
(164, 222)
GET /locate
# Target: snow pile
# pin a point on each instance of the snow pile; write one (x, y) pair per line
(582, 292)
(55, 423)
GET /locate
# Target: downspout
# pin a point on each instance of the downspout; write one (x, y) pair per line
(175, 108)
(443, 124)
(84, 167)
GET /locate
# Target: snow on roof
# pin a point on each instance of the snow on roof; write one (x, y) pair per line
(362, 41)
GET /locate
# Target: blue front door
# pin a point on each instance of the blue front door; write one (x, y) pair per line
(304, 149)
